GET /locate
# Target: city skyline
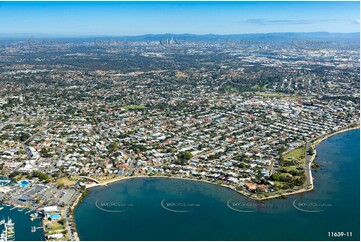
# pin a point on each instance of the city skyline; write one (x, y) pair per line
(193, 121)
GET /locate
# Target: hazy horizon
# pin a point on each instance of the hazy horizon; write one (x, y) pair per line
(29, 35)
(200, 18)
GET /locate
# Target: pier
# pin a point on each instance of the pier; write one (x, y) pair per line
(33, 229)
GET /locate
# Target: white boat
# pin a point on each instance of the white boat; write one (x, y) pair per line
(8, 234)
(1, 208)
(3, 236)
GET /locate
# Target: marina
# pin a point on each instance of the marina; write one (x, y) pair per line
(20, 226)
(8, 233)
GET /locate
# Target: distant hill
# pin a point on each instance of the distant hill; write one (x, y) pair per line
(267, 37)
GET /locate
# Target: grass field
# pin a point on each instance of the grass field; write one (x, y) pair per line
(256, 87)
(289, 168)
(297, 154)
(55, 226)
(133, 107)
(181, 74)
(264, 94)
(277, 95)
(231, 89)
(332, 85)
(66, 181)
(268, 94)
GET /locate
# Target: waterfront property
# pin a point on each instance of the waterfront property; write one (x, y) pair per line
(229, 215)
(245, 120)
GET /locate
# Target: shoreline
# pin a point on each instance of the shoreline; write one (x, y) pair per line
(319, 140)
(73, 234)
(248, 195)
(314, 142)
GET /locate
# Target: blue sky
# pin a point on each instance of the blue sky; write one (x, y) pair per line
(134, 18)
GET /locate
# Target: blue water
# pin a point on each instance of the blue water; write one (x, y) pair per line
(22, 224)
(173, 209)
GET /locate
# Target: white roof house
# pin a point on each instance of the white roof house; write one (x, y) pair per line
(50, 209)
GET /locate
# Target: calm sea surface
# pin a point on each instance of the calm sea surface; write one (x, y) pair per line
(23, 224)
(173, 209)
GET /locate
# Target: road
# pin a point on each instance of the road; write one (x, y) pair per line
(49, 126)
(69, 218)
(308, 166)
(27, 149)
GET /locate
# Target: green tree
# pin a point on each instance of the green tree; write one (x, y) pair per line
(42, 176)
(183, 157)
(275, 177)
(113, 146)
